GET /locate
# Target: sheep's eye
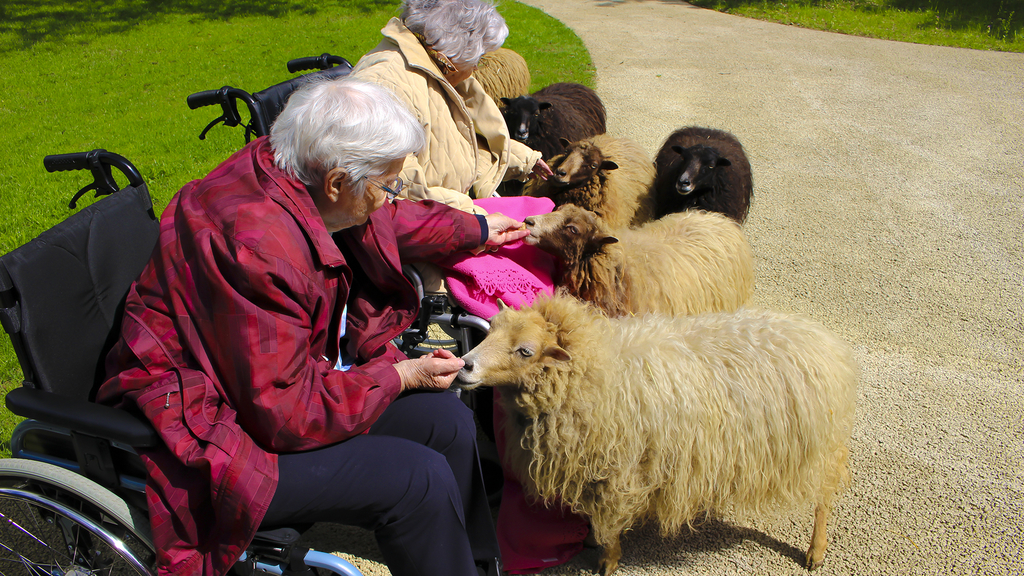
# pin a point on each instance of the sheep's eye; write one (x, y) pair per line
(572, 229)
(594, 166)
(525, 352)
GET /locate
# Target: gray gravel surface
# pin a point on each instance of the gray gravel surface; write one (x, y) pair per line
(889, 205)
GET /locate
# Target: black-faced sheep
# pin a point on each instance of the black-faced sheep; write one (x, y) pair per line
(607, 175)
(562, 110)
(503, 74)
(702, 168)
(670, 418)
(685, 263)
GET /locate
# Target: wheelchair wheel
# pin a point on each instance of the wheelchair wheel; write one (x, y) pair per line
(56, 522)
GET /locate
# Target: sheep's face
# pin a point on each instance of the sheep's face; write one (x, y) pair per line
(521, 116)
(579, 164)
(698, 167)
(570, 232)
(520, 345)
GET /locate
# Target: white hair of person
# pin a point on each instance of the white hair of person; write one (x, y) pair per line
(462, 30)
(345, 123)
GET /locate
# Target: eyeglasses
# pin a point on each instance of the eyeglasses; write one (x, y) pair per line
(392, 191)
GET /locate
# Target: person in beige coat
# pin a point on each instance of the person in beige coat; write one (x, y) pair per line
(426, 58)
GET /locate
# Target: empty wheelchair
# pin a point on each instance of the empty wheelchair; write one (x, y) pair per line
(72, 497)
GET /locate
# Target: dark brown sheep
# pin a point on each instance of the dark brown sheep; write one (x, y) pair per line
(562, 110)
(705, 169)
(610, 176)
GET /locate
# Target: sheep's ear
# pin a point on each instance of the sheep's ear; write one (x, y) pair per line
(554, 354)
(505, 101)
(608, 165)
(501, 305)
(608, 240)
(565, 143)
(677, 149)
(543, 105)
(720, 162)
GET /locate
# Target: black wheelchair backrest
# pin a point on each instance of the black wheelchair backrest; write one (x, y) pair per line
(265, 105)
(62, 293)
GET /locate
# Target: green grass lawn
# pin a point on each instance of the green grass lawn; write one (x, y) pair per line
(980, 24)
(84, 75)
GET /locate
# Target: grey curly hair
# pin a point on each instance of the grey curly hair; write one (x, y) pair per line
(462, 30)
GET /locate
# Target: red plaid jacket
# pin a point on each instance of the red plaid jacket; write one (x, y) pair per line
(230, 336)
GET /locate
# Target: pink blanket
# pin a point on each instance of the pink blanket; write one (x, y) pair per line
(516, 273)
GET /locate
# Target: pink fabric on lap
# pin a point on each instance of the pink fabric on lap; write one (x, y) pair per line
(516, 273)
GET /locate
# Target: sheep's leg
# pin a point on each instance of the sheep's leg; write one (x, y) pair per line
(816, 553)
(610, 557)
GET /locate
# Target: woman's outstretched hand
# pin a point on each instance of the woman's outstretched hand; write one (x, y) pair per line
(501, 230)
(541, 170)
(434, 371)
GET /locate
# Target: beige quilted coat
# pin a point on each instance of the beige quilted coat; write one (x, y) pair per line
(469, 151)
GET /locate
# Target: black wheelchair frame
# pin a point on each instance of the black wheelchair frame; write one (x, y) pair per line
(266, 104)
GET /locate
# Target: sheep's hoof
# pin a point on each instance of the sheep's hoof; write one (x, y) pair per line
(606, 566)
(814, 561)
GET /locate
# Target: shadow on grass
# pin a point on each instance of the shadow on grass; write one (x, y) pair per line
(24, 23)
(1003, 19)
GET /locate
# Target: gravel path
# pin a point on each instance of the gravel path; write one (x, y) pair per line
(889, 205)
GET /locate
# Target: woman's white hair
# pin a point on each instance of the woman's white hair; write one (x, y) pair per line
(462, 30)
(346, 123)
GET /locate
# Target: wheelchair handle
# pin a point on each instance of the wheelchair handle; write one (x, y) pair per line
(99, 162)
(321, 62)
(207, 97)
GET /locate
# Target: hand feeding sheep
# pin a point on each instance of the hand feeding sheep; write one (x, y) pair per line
(685, 263)
(608, 175)
(670, 418)
(503, 73)
(702, 168)
(561, 110)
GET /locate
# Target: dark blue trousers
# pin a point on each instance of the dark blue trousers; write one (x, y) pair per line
(414, 480)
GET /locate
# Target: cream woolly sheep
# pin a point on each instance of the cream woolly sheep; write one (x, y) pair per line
(670, 418)
(503, 74)
(685, 263)
(611, 176)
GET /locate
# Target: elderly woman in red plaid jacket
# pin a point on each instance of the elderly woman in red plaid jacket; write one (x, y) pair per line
(258, 342)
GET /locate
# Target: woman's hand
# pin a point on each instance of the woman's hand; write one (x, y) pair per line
(501, 230)
(541, 170)
(434, 371)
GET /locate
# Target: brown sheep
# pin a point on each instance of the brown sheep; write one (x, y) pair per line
(668, 418)
(562, 110)
(705, 169)
(608, 175)
(685, 263)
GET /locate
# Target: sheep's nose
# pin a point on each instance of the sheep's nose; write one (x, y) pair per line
(561, 173)
(529, 221)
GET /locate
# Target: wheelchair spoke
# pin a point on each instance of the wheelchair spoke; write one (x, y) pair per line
(37, 541)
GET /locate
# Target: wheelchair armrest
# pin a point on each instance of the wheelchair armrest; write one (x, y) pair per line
(86, 417)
